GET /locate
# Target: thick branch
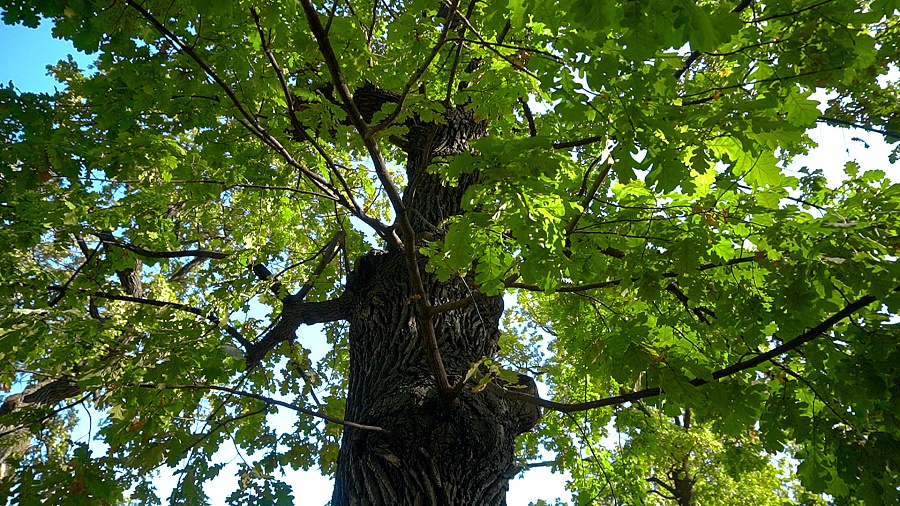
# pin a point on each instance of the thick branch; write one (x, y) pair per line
(14, 402)
(654, 479)
(334, 68)
(295, 312)
(788, 346)
(579, 142)
(292, 316)
(529, 116)
(451, 306)
(699, 312)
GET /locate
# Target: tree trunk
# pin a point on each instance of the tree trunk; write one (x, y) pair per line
(682, 478)
(435, 453)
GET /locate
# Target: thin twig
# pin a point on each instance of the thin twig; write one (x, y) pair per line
(511, 282)
(212, 318)
(65, 285)
(290, 99)
(494, 50)
(47, 416)
(890, 134)
(249, 120)
(792, 14)
(267, 400)
(106, 238)
(328, 253)
(586, 201)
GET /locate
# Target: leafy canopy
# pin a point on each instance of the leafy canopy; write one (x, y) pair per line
(633, 191)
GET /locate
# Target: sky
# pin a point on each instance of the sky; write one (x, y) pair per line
(28, 52)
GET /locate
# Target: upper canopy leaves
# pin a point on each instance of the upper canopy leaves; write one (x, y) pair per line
(634, 177)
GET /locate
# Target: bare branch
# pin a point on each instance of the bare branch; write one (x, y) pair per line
(267, 400)
(212, 318)
(107, 238)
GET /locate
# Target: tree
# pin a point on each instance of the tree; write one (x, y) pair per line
(391, 169)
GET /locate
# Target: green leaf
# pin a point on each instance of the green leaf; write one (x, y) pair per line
(801, 111)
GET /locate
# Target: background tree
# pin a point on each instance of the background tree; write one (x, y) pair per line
(391, 169)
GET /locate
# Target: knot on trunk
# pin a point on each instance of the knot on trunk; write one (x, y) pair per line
(524, 415)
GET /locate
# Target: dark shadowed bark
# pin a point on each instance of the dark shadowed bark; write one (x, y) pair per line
(434, 452)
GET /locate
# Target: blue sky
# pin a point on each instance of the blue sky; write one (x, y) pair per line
(28, 52)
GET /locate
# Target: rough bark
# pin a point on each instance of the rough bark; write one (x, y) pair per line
(435, 453)
(16, 436)
(458, 453)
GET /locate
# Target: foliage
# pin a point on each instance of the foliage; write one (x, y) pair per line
(632, 189)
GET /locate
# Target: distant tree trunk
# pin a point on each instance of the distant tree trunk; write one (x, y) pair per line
(682, 478)
(459, 454)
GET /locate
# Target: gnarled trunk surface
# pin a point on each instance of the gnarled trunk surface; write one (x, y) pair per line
(433, 453)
